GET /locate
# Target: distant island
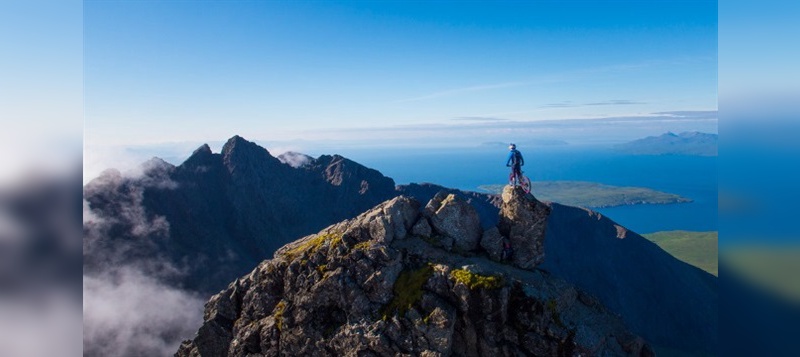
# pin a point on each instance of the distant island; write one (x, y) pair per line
(687, 143)
(594, 195)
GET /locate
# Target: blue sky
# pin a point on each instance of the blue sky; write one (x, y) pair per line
(181, 71)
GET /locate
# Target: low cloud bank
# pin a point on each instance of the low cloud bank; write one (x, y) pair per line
(127, 313)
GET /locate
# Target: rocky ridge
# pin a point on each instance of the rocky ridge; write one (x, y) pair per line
(198, 225)
(403, 279)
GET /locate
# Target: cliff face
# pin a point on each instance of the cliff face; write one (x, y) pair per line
(401, 279)
(666, 301)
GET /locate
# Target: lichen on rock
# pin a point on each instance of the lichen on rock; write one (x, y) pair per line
(477, 281)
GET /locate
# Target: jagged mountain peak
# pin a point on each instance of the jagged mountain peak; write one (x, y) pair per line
(380, 284)
(202, 156)
(240, 155)
(157, 165)
(202, 150)
(238, 145)
(341, 171)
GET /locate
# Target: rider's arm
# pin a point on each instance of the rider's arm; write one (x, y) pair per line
(510, 157)
(521, 160)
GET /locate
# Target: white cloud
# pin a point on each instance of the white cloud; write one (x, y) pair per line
(45, 324)
(294, 159)
(129, 314)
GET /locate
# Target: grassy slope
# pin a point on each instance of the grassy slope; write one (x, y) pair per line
(696, 248)
(593, 195)
(771, 267)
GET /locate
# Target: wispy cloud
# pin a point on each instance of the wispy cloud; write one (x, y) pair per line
(479, 119)
(577, 130)
(616, 102)
(570, 104)
(695, 114)
(565, 104)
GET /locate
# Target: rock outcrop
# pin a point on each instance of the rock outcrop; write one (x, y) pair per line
(485, 204)
(523, 220)
(452, 218)
(370, 286)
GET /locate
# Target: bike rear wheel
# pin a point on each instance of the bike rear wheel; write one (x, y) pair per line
(525, 183)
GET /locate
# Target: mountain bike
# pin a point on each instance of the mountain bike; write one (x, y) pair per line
(520, 180)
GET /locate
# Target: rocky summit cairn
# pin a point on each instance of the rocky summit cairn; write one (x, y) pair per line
(523, 220)
(381, 284)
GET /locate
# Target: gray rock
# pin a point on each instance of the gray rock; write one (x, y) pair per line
(492, 243)
(402, 213)
(523, 219)
(455, 218)
(422, 228)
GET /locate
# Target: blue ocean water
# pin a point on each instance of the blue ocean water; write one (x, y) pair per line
(689, 176)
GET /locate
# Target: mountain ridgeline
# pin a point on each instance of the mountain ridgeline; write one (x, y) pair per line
(686, 143)
(215, 217)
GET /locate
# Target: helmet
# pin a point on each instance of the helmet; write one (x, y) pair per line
(512, 146)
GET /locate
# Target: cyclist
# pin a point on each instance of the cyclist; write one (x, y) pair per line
(515, 161)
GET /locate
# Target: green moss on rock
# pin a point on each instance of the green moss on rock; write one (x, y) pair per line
(407, 291)
(279, 309)
(313, 244)
(363, 245)
(476, 281)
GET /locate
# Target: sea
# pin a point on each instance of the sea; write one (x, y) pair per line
(693, 177)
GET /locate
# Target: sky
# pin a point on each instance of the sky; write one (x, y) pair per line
(41, 87)
(302, 72)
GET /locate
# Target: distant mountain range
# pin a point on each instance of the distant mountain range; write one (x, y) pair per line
(686, 143)
(200, 225)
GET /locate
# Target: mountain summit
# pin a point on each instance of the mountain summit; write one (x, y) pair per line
(401, 279)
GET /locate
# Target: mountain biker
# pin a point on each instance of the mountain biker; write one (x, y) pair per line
(515, 160)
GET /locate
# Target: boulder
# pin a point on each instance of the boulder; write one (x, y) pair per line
(523, 219)
(422, 228)
(454, 218)
(492, 243)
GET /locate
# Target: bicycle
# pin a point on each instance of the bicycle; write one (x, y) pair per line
(520, 180)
